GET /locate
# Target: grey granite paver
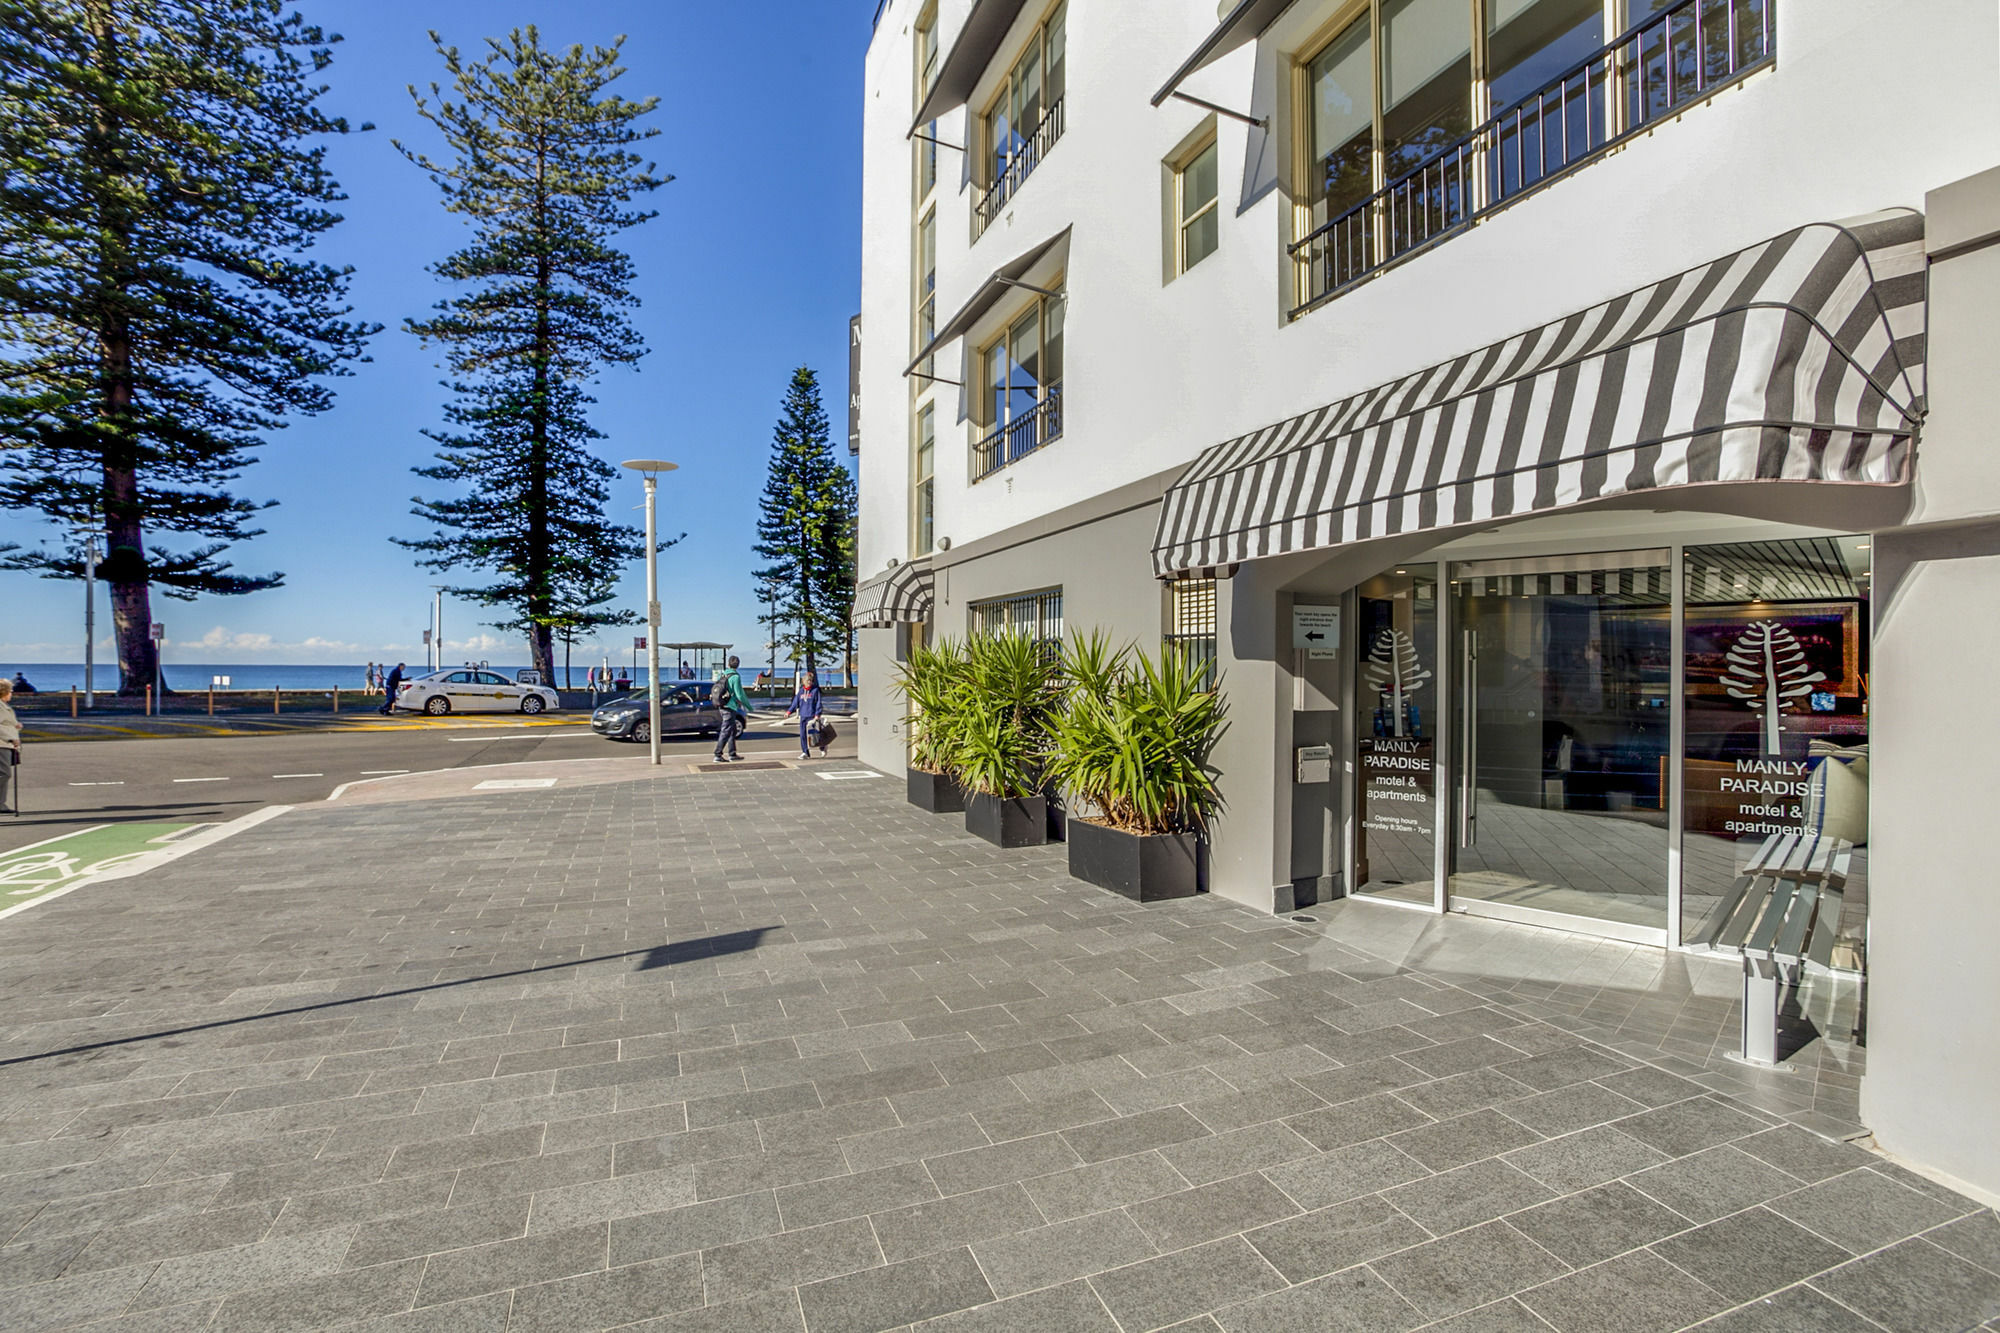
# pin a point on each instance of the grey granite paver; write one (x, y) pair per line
(666, 1056)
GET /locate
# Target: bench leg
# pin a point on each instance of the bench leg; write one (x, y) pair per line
(1761, 984)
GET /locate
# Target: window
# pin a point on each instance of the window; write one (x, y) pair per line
(1197, 220)
(1393, 114)
(1190, 628)
(1020, 387)
(1039, 615)
(924, 484)
(1775, 662)
(1025, 118)
(926, 53)
(927, 289)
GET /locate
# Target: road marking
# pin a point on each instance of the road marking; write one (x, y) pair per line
(381, 772)
(848, 775)
(298, 775)
(512, 784)
(201, 779)
(481, 740)
(55, 870)
(97, 784)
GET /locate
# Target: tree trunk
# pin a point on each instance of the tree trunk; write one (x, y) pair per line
(125, 545)
(540, 598)
(806, 636)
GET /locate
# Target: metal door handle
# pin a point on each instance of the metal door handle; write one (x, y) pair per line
(1468, 747)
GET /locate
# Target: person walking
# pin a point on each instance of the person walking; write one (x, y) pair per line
(391, 684)
(806, 703)
(10, 750)
(727, 694)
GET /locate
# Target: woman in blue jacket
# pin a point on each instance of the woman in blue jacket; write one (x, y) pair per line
(805, 702)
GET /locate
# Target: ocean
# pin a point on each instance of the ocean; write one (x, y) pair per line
(56, 677)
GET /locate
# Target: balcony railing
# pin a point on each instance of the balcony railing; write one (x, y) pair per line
(1654, 70)
(1021, 436)
(1018, 168)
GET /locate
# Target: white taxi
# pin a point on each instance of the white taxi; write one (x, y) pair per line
(473, 690)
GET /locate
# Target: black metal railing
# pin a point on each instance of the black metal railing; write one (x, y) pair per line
(1654, 70)
(1017, 168)
(1021, 436)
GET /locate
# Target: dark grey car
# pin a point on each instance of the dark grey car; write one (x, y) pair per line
(684, 711)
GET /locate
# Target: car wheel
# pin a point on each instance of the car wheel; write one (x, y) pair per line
(643, 733)
(437, 705)
(533, 703)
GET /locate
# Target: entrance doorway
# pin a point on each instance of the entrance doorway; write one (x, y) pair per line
(1562, 719)
(1396, 722)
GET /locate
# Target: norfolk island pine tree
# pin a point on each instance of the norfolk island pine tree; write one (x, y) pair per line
(805, 524)
(160, 316)
(542, 166)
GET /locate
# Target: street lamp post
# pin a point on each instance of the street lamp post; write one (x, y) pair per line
(650, 469)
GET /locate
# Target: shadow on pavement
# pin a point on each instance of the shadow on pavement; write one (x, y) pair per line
(661, 955)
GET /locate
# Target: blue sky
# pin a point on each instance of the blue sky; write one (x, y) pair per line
(751, 268)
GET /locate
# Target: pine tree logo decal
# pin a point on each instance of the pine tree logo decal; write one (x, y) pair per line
(1767, 668)
(1393, 669)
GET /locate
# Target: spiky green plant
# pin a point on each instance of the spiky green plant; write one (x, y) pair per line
(1136, 747)
(1010, 694)
(929, 682)
(1091, 665)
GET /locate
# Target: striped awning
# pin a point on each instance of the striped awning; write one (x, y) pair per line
(902, 595)
(1799, 359)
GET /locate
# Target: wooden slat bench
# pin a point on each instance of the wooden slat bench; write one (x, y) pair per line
(1782, 912)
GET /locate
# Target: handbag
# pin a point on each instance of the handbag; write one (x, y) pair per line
(824, 735)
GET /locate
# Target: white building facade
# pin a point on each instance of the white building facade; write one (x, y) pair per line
(1608, 382)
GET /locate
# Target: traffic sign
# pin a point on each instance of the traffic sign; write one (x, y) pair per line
(159, 631)
(638, 642)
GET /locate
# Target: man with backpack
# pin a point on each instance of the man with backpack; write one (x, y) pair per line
(727, 694)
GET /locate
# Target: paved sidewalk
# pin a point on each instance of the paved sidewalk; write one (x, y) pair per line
(761, 1050)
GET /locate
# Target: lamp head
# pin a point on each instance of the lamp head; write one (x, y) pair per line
(650, 466)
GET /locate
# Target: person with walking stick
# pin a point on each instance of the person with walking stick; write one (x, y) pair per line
(10, 750)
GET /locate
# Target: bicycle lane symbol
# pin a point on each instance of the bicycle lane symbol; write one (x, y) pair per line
(38, 872)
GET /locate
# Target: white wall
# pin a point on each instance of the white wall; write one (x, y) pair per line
(1871, 103)
(1933, 1078)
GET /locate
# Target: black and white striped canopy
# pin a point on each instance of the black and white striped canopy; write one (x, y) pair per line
(1799, 359)
(903, 595)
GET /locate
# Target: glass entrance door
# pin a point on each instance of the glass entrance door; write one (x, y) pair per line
(1396, 684)
(1562, 716)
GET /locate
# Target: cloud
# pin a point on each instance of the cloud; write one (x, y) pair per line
(222, 640)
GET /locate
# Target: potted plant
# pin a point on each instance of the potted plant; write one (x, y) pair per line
(1132, 748)
(929, 683)
(1009, 694)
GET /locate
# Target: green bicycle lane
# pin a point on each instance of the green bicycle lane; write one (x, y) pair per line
(42, 870)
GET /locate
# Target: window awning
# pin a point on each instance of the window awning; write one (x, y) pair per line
(1242, 24)
(1004, 278)
(900, 596)
(979, 39)
(1800, 359)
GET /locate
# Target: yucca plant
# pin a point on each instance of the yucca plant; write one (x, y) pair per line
(1137, 746)
(930, 682)
(1010, 692)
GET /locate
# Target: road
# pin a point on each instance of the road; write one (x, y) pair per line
(181, 780)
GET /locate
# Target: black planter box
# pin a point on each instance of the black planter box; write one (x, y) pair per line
(936, 793)
(1058, 816)
(1008, 821)
(1146, 867)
